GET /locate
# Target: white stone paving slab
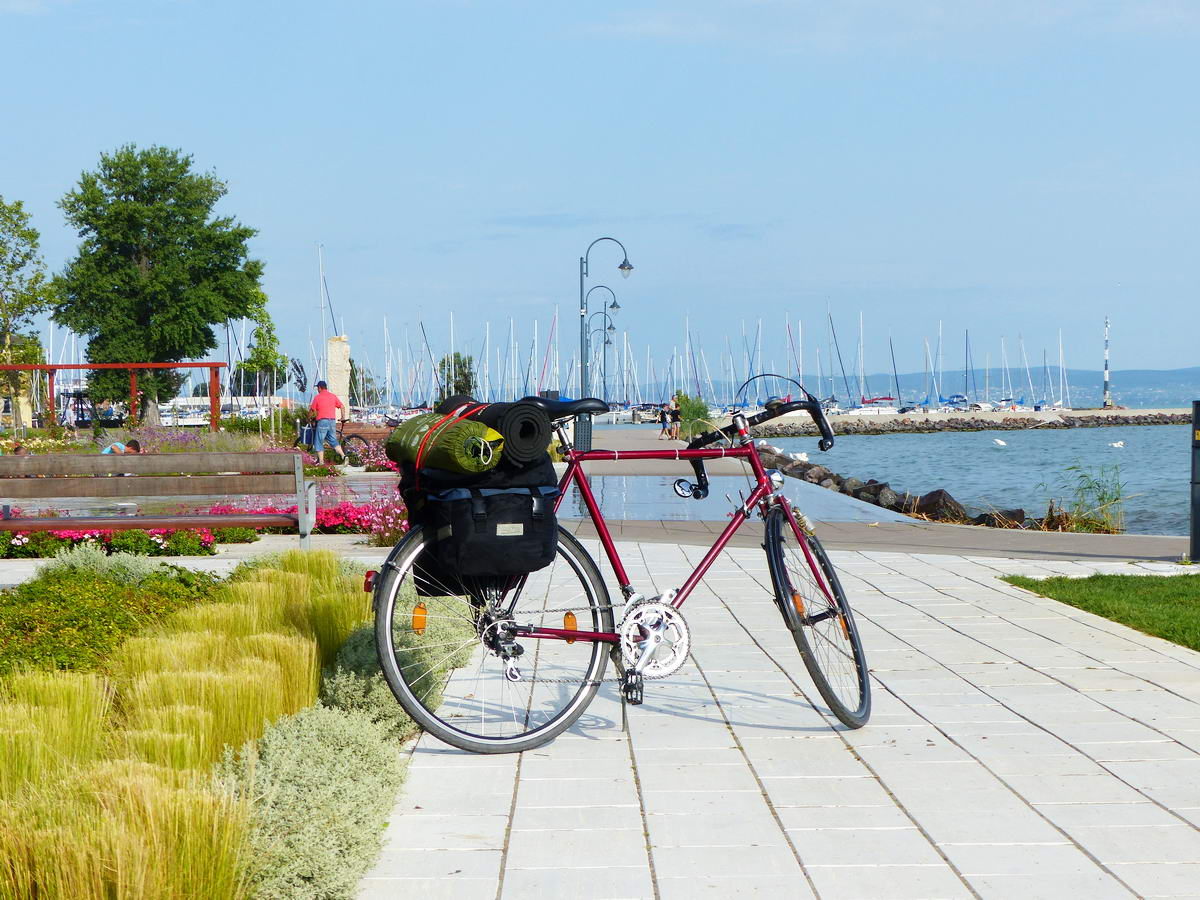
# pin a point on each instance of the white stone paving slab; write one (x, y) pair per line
(1018, 748)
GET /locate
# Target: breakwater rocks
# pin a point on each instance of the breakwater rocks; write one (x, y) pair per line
(920, 424)
(937, 505)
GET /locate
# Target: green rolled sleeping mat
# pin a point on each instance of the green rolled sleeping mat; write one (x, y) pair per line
(466, 446)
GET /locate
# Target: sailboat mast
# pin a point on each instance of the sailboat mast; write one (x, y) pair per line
(1025, 360)
(841, 363)
(966, 360)
(1064, 382)
(862, 364)
(1005, 377)
(800, 348)
(931, 374)
(320, 366)
(1107, 404)
(925, 377)
(895, 374)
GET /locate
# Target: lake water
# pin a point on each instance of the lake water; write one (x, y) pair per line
(1031, 468)
(649, 497)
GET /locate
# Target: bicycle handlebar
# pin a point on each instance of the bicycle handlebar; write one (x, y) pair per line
(812, 406)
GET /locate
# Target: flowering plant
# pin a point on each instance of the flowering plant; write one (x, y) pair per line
(151, 542)
(384, 517)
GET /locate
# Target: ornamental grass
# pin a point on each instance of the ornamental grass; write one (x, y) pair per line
(106, 780)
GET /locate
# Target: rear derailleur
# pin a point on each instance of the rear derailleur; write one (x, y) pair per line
(498, 634)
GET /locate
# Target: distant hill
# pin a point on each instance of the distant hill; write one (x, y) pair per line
(1133, 388)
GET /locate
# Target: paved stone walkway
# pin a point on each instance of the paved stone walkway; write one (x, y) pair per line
(1018, 748)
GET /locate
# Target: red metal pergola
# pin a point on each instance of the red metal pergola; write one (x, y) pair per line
(214, 381)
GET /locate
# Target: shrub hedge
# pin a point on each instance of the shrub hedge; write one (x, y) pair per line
(65, 620)
(297, 813)
(322, 783)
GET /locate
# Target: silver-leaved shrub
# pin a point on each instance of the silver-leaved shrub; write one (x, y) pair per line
(323, 783)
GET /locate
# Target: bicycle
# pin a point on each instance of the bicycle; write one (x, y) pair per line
(532, 650)
(355, 446)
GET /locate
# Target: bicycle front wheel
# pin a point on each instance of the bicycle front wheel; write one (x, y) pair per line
(506, 690)
(816, 611)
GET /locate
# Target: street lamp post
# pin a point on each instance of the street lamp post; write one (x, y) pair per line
(583, 423)
(607, 330)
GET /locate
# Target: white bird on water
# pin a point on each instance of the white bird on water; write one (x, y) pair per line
(1118, 444)
(999, 443)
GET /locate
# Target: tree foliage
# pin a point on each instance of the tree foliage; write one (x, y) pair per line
(156, 268)
(456, 375)
(264, 368)
(25, 291)
(364, 386)
(693, 414)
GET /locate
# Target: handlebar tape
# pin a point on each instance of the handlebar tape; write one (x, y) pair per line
(812, 407)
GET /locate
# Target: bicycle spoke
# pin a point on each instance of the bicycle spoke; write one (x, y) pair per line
(516, 687)
(820, 619)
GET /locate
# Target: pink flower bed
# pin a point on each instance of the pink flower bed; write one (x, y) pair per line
(382, 517)
(149, 541)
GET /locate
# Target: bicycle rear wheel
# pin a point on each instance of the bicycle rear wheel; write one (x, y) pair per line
(816, 611)
(506, 691)
(355, 447)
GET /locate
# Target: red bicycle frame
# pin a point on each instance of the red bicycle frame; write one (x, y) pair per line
(575, 475)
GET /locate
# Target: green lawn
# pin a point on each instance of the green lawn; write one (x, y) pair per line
(1166, 606)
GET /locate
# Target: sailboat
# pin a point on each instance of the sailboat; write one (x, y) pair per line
(1064, 390)
(869, 406)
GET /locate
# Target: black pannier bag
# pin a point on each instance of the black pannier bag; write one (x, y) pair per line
(492, 531)
(477, 528)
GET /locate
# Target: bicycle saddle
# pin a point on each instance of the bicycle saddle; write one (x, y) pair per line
(561, 409)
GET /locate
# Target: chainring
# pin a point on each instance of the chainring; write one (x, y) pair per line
(641, 624)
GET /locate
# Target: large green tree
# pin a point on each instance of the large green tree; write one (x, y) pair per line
(25, 291)
(156, 269)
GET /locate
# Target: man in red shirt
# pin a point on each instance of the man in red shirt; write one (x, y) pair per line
(325, 406)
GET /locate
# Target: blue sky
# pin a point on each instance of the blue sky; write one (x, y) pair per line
(1007, 167)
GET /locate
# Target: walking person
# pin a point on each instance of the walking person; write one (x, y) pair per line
(664, 422)
(676, 416)
(324, 407)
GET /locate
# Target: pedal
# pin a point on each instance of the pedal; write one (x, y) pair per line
(631, 687)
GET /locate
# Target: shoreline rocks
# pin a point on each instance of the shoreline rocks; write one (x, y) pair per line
(937, 505)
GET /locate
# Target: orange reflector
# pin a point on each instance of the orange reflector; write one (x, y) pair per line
(420, 616)
(845, 627)
(798, 602)
(570, 623)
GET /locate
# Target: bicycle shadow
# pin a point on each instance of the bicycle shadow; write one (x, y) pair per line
(728, 712)
(596, 725)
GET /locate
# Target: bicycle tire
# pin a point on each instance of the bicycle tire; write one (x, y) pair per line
(523, 716)
(821, 621)
(356, 444)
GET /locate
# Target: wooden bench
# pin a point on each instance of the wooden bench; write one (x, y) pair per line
(165, 476)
